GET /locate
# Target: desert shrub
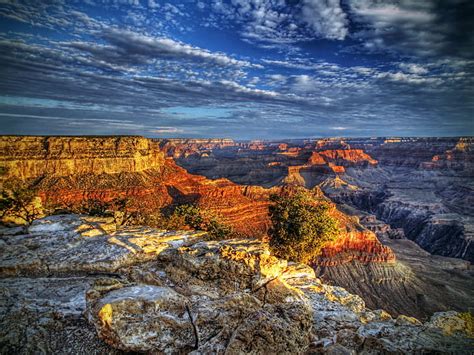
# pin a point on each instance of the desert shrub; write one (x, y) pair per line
(20, 201)
(197, 218)
(94, 207)
(191, 215)
(124, 210)
(301, 226)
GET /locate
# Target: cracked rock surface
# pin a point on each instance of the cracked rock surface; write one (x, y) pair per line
(75, 284)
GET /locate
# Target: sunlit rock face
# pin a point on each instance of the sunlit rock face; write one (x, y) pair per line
(73, 169)
(85, 286)
(420, 187)
(69, 170)
(31, 157)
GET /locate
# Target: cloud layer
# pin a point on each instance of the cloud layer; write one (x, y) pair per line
(237, 68)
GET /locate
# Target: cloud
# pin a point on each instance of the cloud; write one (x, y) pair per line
(141, 47)
(162, 130)
(73, 70)
(413, 68)
(275, 21)
(326, 18)
(417, 28)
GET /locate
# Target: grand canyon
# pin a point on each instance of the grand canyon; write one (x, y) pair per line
(401, 263)
(236, 177)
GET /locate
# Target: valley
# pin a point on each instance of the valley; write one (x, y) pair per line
(394, 199)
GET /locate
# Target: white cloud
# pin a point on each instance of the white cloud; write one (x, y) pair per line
(326, 18)
(139, 45)
(167, 130)
(413, 68)
(275, 21)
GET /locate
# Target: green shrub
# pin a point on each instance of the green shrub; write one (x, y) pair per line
(20, 202)
(196, 218)
(301, 226)
(95, 207)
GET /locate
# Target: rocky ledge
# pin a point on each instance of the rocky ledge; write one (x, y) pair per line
(77, 284)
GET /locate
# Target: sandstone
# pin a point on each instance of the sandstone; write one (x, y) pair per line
(30, 157)
(404, 320)
(433, 207)
(448, 323)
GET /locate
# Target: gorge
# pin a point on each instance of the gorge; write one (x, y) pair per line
(404, 207)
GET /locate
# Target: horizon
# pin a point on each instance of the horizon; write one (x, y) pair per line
(231, 139)
(242, 69)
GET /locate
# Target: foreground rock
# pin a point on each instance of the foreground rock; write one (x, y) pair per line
(174, 292)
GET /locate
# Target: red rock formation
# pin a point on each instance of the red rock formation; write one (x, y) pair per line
(183, 148)
(337, 169)
(362, 246)
(282, 146)
(316, 159)
(347, 157)
(461, 157)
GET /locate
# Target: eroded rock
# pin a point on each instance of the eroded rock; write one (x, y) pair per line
(173, 292)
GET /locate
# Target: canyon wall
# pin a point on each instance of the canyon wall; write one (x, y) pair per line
(69, 170)
(32, 157)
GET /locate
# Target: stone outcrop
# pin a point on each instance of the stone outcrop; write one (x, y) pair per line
(347, 157)
(162, 184)
(170, 294)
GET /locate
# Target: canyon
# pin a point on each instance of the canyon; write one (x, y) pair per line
(416, 194)
(404, 206)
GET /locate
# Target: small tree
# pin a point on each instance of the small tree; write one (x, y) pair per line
(18, 201)
(301, 226)
(196, 218)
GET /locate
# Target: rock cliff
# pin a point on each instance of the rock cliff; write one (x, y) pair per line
(79, 284)
(69, 170)
(72, 169)
(421, 187)
(33, 157)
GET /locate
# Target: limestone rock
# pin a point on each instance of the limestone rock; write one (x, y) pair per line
(143, 318)
(173, 292)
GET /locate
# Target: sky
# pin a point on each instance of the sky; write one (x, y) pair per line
(242, 69)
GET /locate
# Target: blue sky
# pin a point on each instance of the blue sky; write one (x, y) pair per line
(244, 69)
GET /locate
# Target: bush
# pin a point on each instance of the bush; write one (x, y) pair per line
(196, 218)
(301, 226)
(94, 207)
(124, 210)
(20, 202)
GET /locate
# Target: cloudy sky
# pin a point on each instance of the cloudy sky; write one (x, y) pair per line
(243, 69)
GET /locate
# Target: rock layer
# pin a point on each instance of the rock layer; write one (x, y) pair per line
(33, 157)
(97, 173)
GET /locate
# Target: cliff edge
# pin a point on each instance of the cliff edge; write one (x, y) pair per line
(77, 283)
